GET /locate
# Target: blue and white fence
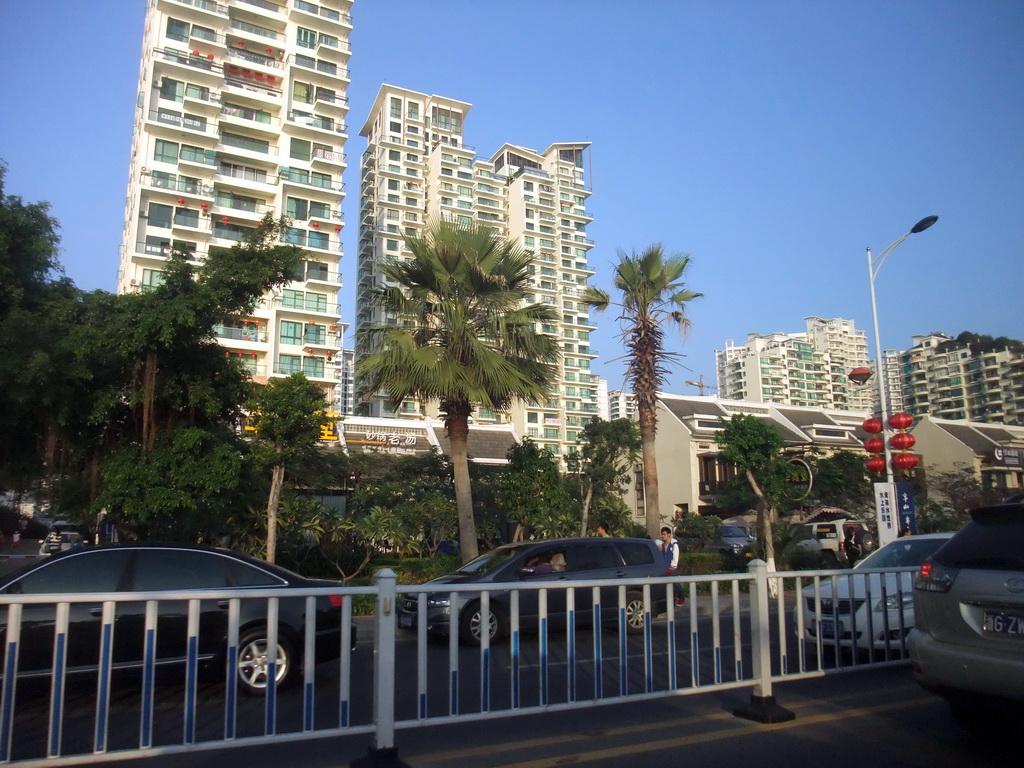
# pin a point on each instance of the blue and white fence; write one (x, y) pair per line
(745, 630)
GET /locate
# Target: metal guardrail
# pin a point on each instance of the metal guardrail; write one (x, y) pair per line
(742, 630)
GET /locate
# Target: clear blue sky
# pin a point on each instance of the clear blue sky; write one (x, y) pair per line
(772, 140)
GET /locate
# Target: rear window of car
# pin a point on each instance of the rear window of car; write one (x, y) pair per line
(635, 552)
(99, 570)
(993, 540)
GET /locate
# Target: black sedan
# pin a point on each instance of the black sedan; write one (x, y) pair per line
(153, 568)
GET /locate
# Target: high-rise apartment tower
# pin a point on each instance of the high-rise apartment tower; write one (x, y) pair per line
(417, 169)
(241, 112)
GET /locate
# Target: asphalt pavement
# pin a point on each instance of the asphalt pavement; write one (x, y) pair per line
(876, 717)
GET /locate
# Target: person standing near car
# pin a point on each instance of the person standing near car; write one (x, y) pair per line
(602, 531)
(851, 546)
(670, 551)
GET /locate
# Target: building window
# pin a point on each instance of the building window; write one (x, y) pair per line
(177, 30)
(291, 332)
(160, 215)
(165, 151)
(305, 38)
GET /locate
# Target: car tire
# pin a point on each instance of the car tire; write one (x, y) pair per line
(635, 618)
(470, 620)
(865, 541)
(251, 668)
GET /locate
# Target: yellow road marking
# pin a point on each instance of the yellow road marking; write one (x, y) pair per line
(663, 725)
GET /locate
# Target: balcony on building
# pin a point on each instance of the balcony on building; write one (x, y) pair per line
(195, 66)
(202, 11)
(319, 17)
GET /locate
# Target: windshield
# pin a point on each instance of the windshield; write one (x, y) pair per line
(733, 532)
(491, 561)
(902, 553)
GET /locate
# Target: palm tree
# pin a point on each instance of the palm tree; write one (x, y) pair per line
(653, 293)
(463, 338)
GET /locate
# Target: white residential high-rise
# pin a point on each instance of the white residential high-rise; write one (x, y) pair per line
(241, 112)
(805, 369)
(417, 169)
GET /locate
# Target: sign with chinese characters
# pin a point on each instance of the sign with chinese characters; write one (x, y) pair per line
(885, 512)
(1008, 457)
(393, 441)
(905, 508)
(329, 431)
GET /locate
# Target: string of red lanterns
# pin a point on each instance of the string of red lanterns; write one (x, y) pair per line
(901, 442)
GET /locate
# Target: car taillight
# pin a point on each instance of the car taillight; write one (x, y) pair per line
(934, 578)
(335, 601)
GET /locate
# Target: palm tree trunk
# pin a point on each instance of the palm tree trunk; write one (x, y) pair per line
(652, 505)
(276, 483)
(457, 424)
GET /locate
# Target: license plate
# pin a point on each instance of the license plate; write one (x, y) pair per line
(1006, 624)
(827, 628)
(405, 620)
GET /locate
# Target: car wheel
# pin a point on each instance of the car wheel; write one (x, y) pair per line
(472, 619)
(253, 658)
(866, 542)
(635, 618)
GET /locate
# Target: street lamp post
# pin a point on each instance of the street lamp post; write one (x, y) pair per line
(886, 532)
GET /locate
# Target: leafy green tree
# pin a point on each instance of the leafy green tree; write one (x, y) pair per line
(463, 337)
(696, 531)
(951, 497)
(607, 452)
(287, 415)
(735, 496)
(33, 297)
(653, 295)
(755, 446)
(532, 493)
(841, 480)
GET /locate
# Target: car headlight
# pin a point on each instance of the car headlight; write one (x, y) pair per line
(893, 602)
(438, 601)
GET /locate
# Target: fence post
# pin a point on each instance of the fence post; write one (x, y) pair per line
(762, 706)
(383, 753)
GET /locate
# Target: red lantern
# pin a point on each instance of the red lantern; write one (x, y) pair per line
(874, 445)
(316, 225)
(337, 229)
(241, 43)
(209, 56)
(872, 426)
(902, 441)
(225, 220)
(905, 460)
(270, 50)
(181, 201)
(204, 206)
(195, 53)
(876, 464)
(859, 375)
(901, 420)
(256, 323)
(253, 355)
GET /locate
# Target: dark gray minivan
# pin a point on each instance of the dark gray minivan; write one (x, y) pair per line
(560, 561)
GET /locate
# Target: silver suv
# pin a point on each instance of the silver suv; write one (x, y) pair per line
(968, 645)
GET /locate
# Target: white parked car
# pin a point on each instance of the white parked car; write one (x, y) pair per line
(865, 610)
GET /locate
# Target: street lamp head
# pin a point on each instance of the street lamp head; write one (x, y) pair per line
(923, 224)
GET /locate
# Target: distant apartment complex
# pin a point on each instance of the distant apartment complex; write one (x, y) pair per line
(808, 369)
(621, 405)
(949, 379)
(241, 112)
(416, 170)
